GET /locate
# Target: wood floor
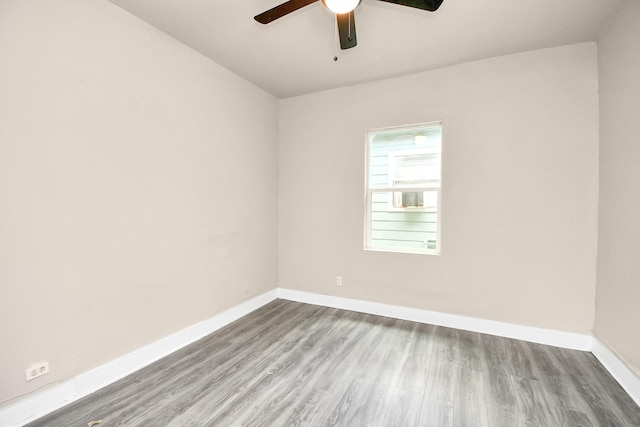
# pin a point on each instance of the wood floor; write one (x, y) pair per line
(293, 364)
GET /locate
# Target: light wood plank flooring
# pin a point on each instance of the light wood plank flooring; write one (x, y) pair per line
(293, 364)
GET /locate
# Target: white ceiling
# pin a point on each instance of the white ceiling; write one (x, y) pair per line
(294, 55)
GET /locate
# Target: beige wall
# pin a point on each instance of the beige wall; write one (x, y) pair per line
(139, 180)
(520, 179)
(618, 282)
(138, 187)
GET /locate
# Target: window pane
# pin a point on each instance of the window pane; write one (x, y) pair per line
(401, 229)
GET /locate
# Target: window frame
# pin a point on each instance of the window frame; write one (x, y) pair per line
(370, 190)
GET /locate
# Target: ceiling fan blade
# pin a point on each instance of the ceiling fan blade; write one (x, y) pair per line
(430, 5)
(347, 30)
(282, 10)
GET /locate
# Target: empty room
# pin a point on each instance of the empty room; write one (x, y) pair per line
(319, 212)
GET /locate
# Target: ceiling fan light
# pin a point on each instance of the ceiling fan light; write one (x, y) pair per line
(341, 6)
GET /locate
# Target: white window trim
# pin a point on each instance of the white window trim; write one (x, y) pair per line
(369, 190)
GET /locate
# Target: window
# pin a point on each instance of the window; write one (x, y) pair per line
(403, 189)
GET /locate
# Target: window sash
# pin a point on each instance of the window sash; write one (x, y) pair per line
(431, 243)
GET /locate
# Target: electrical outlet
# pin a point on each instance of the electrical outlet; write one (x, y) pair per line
(338, 280)
(37, 370)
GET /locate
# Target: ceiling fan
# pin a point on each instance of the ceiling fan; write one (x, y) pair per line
(344, 14)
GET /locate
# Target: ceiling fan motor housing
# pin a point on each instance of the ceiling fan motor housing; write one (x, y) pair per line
(341, 6)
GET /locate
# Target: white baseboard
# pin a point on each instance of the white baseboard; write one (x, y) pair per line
(42, 402)
(618, 369)
(612, 363)
(526, 333)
